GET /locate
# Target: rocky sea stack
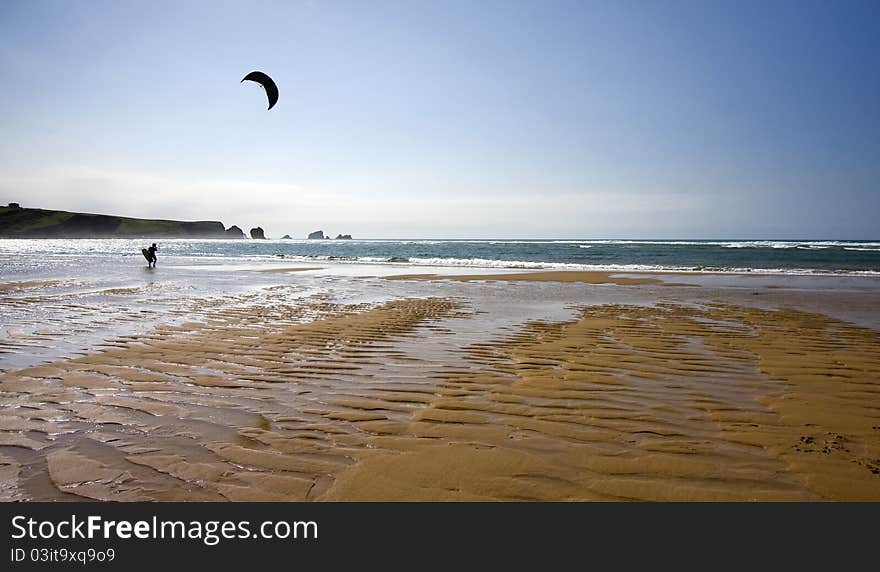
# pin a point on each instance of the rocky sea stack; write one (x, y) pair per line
(234, 232)
(257, 233)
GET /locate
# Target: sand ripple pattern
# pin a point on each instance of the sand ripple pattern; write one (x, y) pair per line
(228, 410)
(401, 401)
(669, 402)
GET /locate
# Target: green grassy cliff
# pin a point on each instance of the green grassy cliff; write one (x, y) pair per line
(16, 222)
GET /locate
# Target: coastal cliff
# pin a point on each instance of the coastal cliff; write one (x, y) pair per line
(18, 222)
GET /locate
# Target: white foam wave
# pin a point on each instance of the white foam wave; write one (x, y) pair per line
(484, 263)
(803, 245)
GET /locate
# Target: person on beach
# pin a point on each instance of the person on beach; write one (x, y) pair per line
(152, 250)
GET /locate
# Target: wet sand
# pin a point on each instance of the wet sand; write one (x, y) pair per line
(21, 286)
(641, 393)
(290, 269)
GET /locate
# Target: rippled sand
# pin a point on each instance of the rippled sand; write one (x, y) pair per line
(429, 399)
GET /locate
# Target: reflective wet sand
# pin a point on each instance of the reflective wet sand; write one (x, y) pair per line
(450, 390)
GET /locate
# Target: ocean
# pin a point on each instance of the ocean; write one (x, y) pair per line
(22, 258)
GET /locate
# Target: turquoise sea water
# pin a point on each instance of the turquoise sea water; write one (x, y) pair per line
(20, 258)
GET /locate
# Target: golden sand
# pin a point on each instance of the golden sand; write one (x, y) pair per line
(671, 402)
(216, 411)
(646, 404)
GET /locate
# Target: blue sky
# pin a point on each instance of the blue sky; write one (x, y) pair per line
(616, 119)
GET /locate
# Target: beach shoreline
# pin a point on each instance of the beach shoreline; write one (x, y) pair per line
(323, 385)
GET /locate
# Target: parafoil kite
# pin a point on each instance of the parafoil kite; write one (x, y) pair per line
(267, 83)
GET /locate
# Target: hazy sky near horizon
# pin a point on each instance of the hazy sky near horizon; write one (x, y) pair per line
(615, 119)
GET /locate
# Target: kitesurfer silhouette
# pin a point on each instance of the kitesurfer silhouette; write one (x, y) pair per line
(150, 254)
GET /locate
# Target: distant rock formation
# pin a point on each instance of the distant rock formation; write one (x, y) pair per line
(343, 237)
(234, 232)
(286, 237)
(317, 235)
(257, 233)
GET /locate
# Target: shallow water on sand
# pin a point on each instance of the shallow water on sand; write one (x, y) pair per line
(64, 305)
